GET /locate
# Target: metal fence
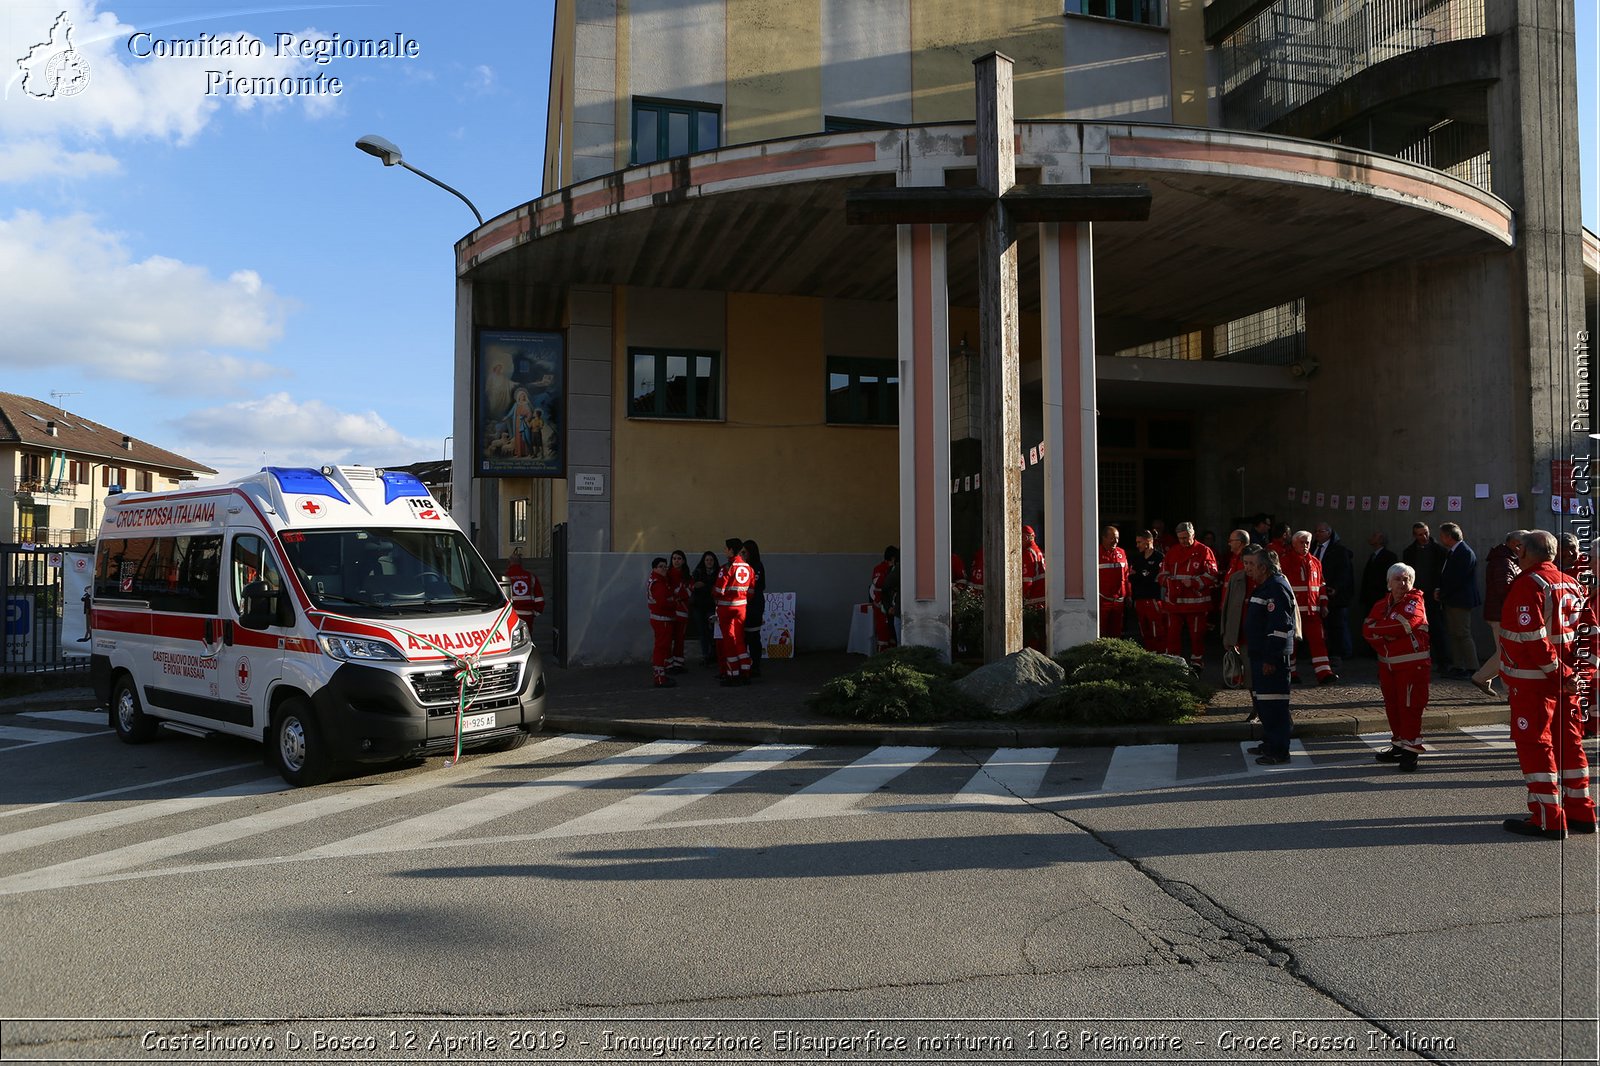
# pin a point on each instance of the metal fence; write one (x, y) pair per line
(32, 590)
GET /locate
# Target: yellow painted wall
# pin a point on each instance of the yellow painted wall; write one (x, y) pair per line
(773, 472)
(558, 115)
(774, 58)
(1186, 20)
(947, 35)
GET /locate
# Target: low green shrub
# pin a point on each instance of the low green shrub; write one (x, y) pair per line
(966, 623)
(1113, 682)
(901, 685)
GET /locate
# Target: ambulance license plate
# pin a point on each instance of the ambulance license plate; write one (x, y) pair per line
(474, 722)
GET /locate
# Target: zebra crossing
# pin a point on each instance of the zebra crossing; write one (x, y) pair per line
(575, 785)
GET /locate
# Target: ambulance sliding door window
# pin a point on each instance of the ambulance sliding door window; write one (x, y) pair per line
(253, 561)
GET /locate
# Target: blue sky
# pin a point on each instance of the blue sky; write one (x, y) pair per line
(227, 276)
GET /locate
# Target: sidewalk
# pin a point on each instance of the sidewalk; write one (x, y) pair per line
(620, 700)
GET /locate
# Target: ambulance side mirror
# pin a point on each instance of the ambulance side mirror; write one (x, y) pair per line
(260, 606)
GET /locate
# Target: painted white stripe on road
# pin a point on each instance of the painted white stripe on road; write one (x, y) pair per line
(486, 808)
(1141, 766)
(143, 786)
(27, 738)
(645, 807)
(1299, 758)
(843, 788)
(1493, 736)
(1010, 776)
(75, 717)
(1378, 741)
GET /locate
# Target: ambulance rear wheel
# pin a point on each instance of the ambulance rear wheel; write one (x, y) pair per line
(297, 745)
(133, 726)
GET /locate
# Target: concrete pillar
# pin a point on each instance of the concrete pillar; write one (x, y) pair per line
(463, 485)
(1071, 540)
(924, 437)
(590, 331)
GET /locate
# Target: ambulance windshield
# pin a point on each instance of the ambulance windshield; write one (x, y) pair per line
(392, 571)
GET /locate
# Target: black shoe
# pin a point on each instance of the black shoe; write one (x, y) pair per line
(1527, 827)
(1583, 828)
(1328, 679)
(1294, 678)
(676, 670)
(1408, 762)
(665, 682)
(1392, 755)
(1272, 760)
(1259, 749)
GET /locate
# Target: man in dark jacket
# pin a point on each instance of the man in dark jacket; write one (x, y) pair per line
(1426, 557)
(1375, 577)
(1500, 569)
(1269, 642)
(1339, 581)
(1458, 592)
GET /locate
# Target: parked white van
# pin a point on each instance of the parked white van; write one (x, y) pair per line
(338, 615)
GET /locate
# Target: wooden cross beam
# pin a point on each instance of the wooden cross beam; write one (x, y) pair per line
(997, 205)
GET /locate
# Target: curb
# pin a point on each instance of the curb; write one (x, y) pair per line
(999, 735)
(65, 700)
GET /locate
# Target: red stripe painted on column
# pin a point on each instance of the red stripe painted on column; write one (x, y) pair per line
(922, 403)
(1071, 412)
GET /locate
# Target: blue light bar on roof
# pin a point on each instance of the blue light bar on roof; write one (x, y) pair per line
(303, 481)
(397, 484)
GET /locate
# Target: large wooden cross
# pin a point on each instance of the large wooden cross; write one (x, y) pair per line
(998, 204)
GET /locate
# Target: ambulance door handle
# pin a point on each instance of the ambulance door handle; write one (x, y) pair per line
(227, 632)
(211, 631)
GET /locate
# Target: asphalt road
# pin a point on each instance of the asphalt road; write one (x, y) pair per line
(717, 902)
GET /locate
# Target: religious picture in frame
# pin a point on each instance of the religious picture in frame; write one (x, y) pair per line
(520, 403)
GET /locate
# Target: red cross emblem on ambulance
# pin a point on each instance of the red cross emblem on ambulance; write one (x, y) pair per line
(243, 674)
(310, 508)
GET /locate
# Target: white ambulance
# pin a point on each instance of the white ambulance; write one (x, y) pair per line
(338, 615)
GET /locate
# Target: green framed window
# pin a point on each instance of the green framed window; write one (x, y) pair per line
(674, 383)
(666, 128)
(1144, 12)
(863, 392)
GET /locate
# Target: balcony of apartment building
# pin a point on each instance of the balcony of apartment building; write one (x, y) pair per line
(1408, 78)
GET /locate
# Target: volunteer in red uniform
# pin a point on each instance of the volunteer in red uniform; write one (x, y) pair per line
(882, 619)
(1032, 570)
(1397, 629)
(678, 579)
(1187, 573)
(1539, 663)
(975, 573)
(527, 595)
(732, 593)
(662, 602)
(1115, 585)
(1305, 577)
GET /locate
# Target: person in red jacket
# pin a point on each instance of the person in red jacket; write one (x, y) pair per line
(732, 595)
(975, 574)
(1187, 573)
(1539, 664)
(1033, 594)
(882, 612)
(663, 605)
(527, 595)
(1397, 629)
(1115, 585)
(678, 579)
(1305, 577)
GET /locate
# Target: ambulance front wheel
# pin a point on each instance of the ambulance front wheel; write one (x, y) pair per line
(297, 744)
(511, 743)
(132, 724)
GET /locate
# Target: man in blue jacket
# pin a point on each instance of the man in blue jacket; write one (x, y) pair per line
(1458, 593)
(1269, 637)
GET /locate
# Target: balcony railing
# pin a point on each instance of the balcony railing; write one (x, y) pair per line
(1296, 50)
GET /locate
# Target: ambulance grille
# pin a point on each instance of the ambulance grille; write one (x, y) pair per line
(440, 686)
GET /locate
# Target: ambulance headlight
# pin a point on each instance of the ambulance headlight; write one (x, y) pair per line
(359, 649)
(520, 636)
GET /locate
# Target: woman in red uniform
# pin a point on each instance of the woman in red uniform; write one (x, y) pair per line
(1397, 629)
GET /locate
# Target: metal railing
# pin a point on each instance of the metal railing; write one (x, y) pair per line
(32, 608)
(1296, 50)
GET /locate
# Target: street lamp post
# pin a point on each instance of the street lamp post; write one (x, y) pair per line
(390, 154)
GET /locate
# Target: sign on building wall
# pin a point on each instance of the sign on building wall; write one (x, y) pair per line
(520, 415)
(777, 625)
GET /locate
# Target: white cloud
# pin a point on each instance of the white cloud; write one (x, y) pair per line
(278, 430)
(132, 96)
(27, 160)
(481, 79)
(77, 298)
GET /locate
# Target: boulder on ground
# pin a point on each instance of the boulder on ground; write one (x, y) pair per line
(1012, 683)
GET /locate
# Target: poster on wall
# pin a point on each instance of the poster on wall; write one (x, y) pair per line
(777, 625)
(520, 404)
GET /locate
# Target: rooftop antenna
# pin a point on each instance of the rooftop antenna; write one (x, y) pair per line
(56, 396)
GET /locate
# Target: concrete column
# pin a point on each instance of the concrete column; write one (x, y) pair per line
(463, 485)
(1071, 536)
(589, 412)
(924, 437)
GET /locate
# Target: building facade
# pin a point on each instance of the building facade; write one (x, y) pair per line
(1360, 295)
(58, 468)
